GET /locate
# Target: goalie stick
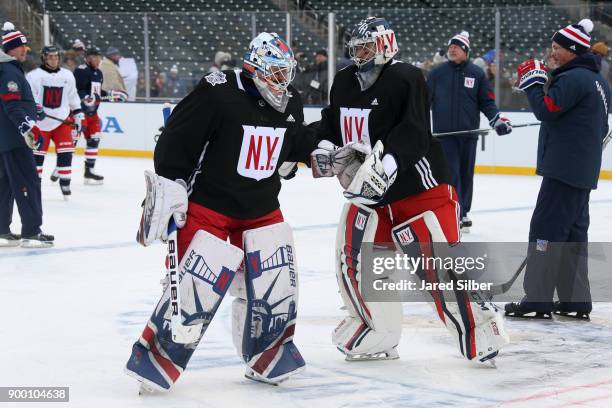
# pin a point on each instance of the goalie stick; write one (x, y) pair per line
(483, 131)
(504, 287)
(182, 334)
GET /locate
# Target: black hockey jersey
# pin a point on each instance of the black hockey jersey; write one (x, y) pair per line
(396, 110)
(227, 143)
(89, 83)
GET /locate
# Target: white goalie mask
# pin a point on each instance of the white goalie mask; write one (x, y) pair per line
(271, 64)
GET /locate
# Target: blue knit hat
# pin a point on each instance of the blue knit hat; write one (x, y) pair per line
(12, 38)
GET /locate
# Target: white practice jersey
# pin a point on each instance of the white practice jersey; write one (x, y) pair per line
(56, 92)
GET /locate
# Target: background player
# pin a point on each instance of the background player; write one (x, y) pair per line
(405, 186)
(89, 80)
(54, 89)
(216, 162)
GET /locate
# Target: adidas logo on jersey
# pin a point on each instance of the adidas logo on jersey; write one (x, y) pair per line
(374, 102)
(290, 118)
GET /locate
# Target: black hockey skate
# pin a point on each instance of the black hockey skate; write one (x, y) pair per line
(578, 310)
(66, 193)
(54, 176)
(526, 311)
(39, 240)
(10, 240)
(465, 224)
(92, 178)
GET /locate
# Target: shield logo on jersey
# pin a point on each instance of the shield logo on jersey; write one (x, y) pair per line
(12, 86)
(469, 82)
(354, 125)
(216, 78)
(261, 147)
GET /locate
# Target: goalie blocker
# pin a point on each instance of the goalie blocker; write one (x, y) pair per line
(263, 314)
(372, 330)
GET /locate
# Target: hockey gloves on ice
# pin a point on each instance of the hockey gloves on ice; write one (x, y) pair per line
(165, 198)
(501, 125)
(373, 178)
(531, 72)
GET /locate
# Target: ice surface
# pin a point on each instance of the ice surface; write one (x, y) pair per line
(71, 313)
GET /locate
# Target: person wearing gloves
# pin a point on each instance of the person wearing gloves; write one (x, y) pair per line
(573, 103)
(459, 91)
(18, 136)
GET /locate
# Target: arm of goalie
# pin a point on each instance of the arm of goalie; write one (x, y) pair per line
(373, 178)
(164, 199)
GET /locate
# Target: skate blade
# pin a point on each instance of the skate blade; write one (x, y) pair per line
(574, 315)
(537, 316)
(252, 375)
(145, 387)
(5, 243)
(489, 361)
(89, 182)
(26, 243)
(465, 230)
(384, 355)
(66, 197)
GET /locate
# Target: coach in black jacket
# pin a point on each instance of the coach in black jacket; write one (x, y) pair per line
(459, 91)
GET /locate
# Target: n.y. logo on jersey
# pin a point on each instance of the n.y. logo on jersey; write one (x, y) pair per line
(52, 96)
(261, 147)
(354, 125)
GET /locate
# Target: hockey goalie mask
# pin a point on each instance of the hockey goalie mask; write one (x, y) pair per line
(372, 42)
(271, 64)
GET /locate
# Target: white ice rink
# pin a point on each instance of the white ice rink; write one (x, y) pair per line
(70, 314)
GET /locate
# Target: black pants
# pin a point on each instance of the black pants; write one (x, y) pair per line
(19, 182)
(558, 247)
(461, 157)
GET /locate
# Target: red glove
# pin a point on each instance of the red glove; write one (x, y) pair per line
(33, 138)
(531, 72)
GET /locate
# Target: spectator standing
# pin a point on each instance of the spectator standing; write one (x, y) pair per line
(113, 81)
(459, 91)
(315, 86)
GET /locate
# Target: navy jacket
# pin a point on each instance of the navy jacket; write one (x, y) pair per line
(17, 106)
(459, 92)
(574, 114)
(89, 83)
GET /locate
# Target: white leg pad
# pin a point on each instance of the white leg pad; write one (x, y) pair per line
(372, 328)
(264, 319)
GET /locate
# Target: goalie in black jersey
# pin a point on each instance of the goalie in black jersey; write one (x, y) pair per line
(400, 193)
(217, 178)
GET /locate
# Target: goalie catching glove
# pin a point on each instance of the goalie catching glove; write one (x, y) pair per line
(373, 178)
(165, 198)
(329, 160)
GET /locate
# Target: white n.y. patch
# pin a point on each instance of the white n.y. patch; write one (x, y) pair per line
(354, 125)
(261, 147)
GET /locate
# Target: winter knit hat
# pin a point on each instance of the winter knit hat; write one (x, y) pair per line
(575, 37)
(12, 38)
(462, 40)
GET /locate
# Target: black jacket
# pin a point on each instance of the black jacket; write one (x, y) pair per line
(395, 109)
(227, 143)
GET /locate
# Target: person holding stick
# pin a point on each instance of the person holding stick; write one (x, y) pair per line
(459, 91)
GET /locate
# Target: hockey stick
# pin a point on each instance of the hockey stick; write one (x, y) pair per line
(63, 121)
(180, 333)
(504, 287)
(483, 131)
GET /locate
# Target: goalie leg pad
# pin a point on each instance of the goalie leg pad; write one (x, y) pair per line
(264, 322)
(206, 272)
(372, 328)
(476, 324)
